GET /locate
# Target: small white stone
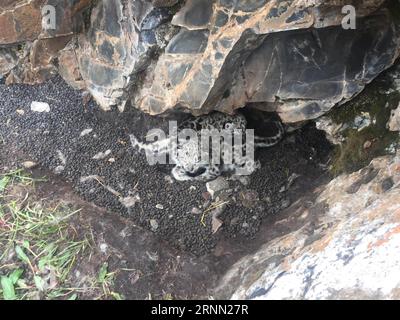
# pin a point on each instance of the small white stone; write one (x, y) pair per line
(153, 224)
(59, 169)
(394, 121)
(103, 247)
(86, 132)
(130, 201)
(102, 155)
(37, 106)
(196, 210)
(29, 164)
(159, 206)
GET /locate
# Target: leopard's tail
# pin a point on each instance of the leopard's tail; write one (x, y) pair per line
(265, 142)
(156, 147)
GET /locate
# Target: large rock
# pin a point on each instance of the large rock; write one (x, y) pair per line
(8, 59)
(21, 20)
(118, 46)
(293, 57)
(302, 75)
(36, 60)
(341, 245)
(28, 51)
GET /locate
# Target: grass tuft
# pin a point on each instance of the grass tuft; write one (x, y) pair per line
(38, 247)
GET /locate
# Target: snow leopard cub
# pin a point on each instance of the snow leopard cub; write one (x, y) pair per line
(187, 159)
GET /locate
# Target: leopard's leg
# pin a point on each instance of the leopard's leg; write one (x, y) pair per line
(211, 172)
(242, 165)
(252, 165)
(246, 168)
(180, 174)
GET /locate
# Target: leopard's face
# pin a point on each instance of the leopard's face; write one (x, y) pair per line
(188, 154)
(189, 151)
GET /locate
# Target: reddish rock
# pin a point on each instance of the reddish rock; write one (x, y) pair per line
(69, 68)
(34, 50)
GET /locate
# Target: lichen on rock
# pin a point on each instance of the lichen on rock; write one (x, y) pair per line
(360, 127)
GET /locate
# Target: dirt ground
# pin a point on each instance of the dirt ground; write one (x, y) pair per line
(183, 257)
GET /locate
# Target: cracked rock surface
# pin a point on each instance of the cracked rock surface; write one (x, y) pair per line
(282, 56)
(291, 57)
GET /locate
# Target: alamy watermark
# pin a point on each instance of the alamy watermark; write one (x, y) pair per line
(49, 17)
(350, 19)
(189, 148)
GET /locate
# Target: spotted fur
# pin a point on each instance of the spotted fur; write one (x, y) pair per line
(188, 165)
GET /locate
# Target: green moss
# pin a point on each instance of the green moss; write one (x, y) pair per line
(352, 155)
